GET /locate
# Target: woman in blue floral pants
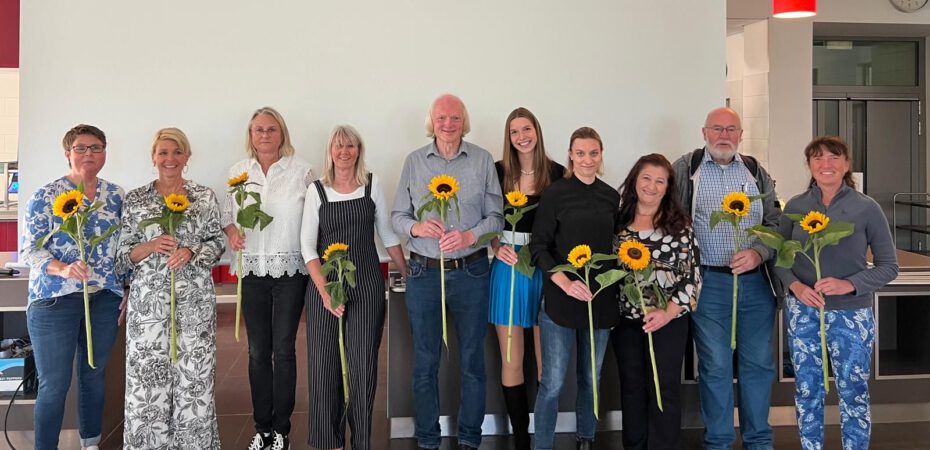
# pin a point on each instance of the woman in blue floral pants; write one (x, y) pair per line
(844, 290)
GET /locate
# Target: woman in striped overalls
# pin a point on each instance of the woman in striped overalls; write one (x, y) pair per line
(347, 205)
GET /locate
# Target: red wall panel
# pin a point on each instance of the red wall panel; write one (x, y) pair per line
(9, 33)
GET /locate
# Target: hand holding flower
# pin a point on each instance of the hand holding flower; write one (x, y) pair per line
(75, 271)
(179, 258)
(506, 254)
(164, 244)
(456, 240)
(235, 238)
(655, 320)
(834, 286)
(807, 295)
(429, 228)
(745, 260)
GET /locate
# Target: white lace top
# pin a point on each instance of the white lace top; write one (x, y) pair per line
(274, 251)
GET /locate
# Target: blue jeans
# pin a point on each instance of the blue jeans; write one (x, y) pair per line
(557, 342)
(56, 327)
(850, 335)
(467, 307)
(712, 326)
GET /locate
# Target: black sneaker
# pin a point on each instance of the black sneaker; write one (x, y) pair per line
(281, 442)
(261, 441)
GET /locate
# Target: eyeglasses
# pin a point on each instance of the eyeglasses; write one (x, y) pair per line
(718, 130)
(81, 148)
(268, 131)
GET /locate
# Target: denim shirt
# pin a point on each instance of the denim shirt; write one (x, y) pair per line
(39, 221)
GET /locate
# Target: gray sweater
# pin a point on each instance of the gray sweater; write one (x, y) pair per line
(846, 260)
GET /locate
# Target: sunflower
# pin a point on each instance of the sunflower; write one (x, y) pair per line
(443, 186)
(237, 180)
(67, 203)
(177, 202)
(333, 248)
(579, 256)
(736, 203)
(814, 222)
(516, 199)
(634, 254)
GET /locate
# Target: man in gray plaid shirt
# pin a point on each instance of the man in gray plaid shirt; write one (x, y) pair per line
(704, 177)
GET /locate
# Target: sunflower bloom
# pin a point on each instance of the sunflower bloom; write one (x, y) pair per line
(634, 254)
(177, 202)
(443, 186)
(516, 199)
(237, 180)
(333, 248)
(579, 256)
(736, 203)
(814, 222)
(67, 203)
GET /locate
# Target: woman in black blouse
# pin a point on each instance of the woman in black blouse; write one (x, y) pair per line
(650, 213)
(525, 167)
(580, 209)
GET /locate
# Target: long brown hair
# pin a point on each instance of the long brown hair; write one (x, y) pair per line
(834, 145)
(541, 162)
(671, 217)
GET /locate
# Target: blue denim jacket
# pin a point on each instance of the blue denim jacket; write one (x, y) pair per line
(39, 221)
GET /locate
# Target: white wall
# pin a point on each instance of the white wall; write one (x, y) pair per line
(642, 73)
(867, 11)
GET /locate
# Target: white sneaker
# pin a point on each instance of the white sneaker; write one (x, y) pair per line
(281, 442)
(92, 447)
(261, 442)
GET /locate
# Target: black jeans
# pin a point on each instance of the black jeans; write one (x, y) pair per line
(271, 308)
(644, 426)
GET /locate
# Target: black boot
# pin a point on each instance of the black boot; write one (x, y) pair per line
(585, 444)
(519, 412)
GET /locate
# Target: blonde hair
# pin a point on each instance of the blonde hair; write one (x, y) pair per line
(286, 149)
(345, 134)
(466, 122)
(172, 134)
(583, 133)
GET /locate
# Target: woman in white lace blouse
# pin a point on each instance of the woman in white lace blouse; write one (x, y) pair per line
(274, 277)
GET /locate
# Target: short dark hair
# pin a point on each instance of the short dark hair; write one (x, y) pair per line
(671, 217)
(80, 129)
(834, 145)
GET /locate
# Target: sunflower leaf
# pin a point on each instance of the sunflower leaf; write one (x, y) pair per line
(485, 238)
(513, 218)
(768, 236)
(523, 262)
(786, 253)
(96, 240)
(646, 273)
(661, 299)
(458, 213)
(160, 221)
(631, 293)
(337, 294)
(564, 268)
(326, 268)
(834, 232)
(609, 278)
(598, 257)
(350, 278)
(425, 208)
(716, 217)
(795, 217)
(94, 206)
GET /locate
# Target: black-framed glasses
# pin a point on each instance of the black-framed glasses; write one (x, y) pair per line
(718, 130)
(96, 148)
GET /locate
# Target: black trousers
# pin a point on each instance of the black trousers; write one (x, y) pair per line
(644, 426)
(271, 308)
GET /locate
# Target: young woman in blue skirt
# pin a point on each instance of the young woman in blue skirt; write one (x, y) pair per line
(524, 167)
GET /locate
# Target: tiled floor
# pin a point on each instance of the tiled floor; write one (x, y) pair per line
(236, 427)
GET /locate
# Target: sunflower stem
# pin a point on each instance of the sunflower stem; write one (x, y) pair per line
(442, 278)
(736, 249)
(652, 352)
(512, 275)
(587, 272)
(342, 347)
(88, 332)
(173, 344)
(239, 287)
(823, 329)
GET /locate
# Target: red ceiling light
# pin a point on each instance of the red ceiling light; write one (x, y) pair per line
(793, 9)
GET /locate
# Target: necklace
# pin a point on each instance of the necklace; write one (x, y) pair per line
(528, 172)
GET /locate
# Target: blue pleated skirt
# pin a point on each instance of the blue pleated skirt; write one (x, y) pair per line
(527, 293)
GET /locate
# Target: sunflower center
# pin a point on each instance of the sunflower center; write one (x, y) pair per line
(815, 223)
(737, 205)
(443, 188)
(69, 206)
(634, 253)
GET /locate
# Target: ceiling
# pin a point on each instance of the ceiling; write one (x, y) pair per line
(744, 12)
